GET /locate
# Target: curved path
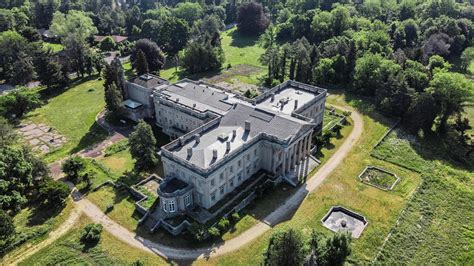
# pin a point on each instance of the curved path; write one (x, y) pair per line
(94, 213)
(167, 252)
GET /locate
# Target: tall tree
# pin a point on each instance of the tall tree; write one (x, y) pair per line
(142, 144)
(285, 248)
(113, 101)
(141, 63)
(251, 19)
(154, 56)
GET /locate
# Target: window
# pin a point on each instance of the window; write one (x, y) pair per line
(222, 190)
(231, 169)
(165, 206)
(213, 196)
(255, 152)
(172, 207)
(212, 182)
(187, 200)
(222, 176)
(239, 177)
(232, 182)
(239, 163)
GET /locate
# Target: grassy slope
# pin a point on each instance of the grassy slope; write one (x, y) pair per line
(342, 187)
(437, 225)
(109, 251)
(72, 113)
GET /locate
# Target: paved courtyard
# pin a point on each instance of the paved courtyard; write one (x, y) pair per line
(41, 137)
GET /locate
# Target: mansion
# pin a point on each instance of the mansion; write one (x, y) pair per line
(222, 140)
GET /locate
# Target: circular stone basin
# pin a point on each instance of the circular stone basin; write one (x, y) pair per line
(340, 219)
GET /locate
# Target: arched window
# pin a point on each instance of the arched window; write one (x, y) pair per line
(172, 206)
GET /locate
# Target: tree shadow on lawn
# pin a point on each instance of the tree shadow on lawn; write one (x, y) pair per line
(40, 214)
(95, 135)
(49, 93)
(241, 41)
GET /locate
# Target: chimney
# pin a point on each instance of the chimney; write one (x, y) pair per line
(247, 125)
(227, 146)
(296, 104)
(194, 105)
(197, 137)
(234, 133)
(181, 141)
(272, 98)
(190, 152)
(214, 153)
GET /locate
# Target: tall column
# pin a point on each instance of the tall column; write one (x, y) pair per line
(308, 148)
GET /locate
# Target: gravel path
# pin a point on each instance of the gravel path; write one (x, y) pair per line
(279, 214)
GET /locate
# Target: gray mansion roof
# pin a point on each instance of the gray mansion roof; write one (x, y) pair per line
(262, 123)
(198, 97)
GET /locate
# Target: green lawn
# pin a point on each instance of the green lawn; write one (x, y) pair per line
(119, 162)
(68, 250)
(72, 113)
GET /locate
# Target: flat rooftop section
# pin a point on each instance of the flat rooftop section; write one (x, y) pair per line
(148, 81)
(216, 138)
(172, 185)
(340, 219)
(198, 97)
(131, 104)
(284, 100)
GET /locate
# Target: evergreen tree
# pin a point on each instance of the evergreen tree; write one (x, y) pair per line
(285, 248)
(141, 64)
(113, 101)
(143, 146)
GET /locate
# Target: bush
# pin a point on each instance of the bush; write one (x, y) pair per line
(7, 229)
(73, 167)
(214, 232)
(53, 193)
(223, 224)
(197, 231)
(235, 217)
(116, 147)
(91, 233)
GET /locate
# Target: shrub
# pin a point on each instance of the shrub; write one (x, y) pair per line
(214, 232)
(197, 231)
(235, 217)
(116, 147)
(53, 193)
(73, 167)
(7, 229)
(91, 233)
(223, 224)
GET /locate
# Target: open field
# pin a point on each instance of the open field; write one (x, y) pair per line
(437, 225)
(72, 113)
(109, 251)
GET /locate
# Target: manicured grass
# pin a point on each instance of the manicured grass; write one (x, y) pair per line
(343, 188)
(72, 113)
(68, 250)
(437, 225)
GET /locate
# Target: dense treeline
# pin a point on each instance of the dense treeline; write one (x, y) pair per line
(395, 53)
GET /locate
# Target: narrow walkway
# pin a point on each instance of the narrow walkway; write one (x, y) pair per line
(167, 252)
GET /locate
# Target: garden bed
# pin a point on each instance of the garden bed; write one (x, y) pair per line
(379, 178)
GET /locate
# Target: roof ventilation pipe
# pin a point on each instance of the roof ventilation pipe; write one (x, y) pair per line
(272, 99)
(190, 152)
(234, 133)
(197, 137)
(247, 125)
(227, 146)
(296, 104)
(214, 154)
(181, 141)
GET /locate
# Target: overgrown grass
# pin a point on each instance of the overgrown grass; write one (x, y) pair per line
(72, 113)
(378, 178)
(437, 226)
(116, 147)
(32, 225)
(68, 250)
